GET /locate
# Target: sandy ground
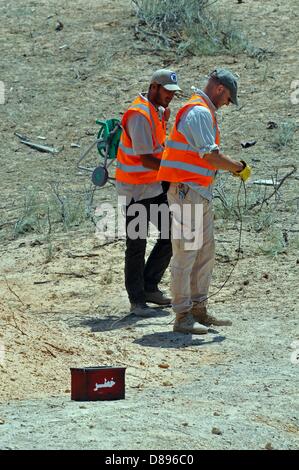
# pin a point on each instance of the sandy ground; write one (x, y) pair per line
(62, 301)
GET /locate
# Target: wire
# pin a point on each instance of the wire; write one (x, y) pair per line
(239, 249)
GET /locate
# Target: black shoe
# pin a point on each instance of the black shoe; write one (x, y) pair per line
(158, 298)
(142, 310)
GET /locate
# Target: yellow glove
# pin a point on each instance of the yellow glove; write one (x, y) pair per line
(245, 173)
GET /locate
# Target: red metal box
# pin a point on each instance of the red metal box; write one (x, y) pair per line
(97, 383)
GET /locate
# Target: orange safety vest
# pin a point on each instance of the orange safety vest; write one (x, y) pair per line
(129, 166)
(180, 162)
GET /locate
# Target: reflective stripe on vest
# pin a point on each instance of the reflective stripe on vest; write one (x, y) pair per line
(141, 106)
(173, 144)
(133, 168)
(129, 151)
(199, 170)
(180, 161)
(129, 167)
(178, 145)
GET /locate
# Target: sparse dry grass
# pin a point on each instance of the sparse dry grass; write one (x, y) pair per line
(191, 27)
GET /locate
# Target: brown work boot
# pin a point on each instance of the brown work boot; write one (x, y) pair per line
(185, 323)
(201, 315)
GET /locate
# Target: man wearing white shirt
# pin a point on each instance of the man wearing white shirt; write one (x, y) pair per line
(138, 160)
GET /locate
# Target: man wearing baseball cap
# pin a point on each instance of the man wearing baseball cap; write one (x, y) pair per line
(190, 161)
(228, 80)
(138, 160)
(166, 78)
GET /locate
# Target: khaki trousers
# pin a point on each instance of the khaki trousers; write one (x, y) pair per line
(191, 266)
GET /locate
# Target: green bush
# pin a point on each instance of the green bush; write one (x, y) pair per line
(187, 25)
(284, 135)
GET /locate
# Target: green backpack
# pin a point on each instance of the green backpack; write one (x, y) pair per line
(107, 144)
(109, 137)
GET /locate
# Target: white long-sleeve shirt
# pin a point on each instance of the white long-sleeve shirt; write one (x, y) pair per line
(196, 124)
